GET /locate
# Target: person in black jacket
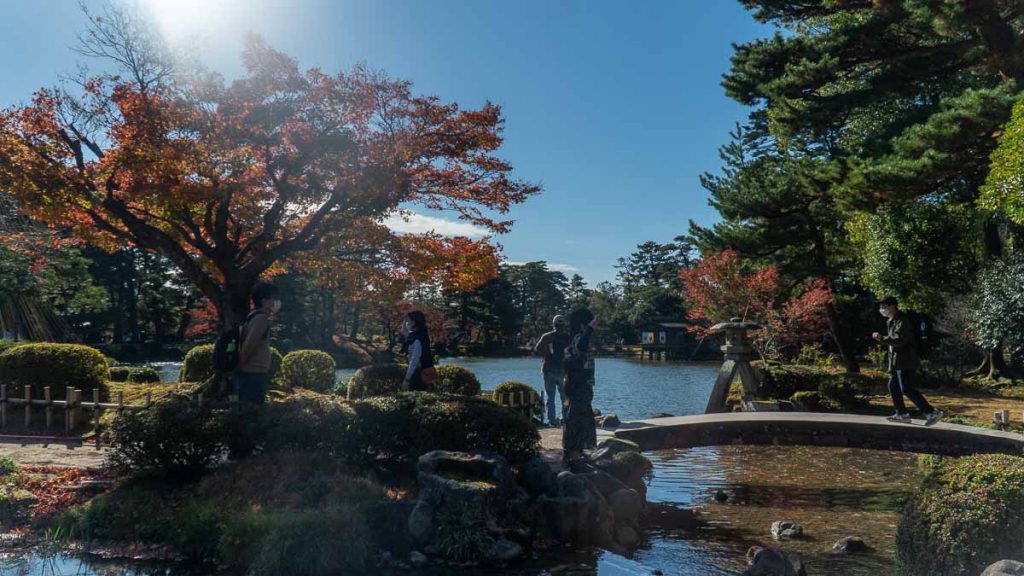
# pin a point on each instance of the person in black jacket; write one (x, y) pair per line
(417, 347)
(580, 428)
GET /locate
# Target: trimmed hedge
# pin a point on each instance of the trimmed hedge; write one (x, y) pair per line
(55, 365)
(969, 514)
(120, 373)
(453, 379)
(142, 375)
(377, 380)
(198, 365)
(310, 369)
(834, 388)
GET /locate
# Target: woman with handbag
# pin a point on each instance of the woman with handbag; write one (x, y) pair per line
(421, 374)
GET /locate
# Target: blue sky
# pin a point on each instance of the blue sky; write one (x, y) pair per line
(615, 108)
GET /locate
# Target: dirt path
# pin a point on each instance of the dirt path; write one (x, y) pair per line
(51, 452)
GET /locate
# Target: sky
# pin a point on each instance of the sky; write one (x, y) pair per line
(614, 107)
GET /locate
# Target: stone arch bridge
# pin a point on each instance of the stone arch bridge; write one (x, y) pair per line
(817, 429)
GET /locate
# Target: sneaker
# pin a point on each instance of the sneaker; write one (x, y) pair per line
(901, 418)
(934, 417)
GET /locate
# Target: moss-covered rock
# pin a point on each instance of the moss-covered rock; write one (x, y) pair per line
(969, 514)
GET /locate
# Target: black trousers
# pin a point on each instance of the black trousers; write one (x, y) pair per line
(901, 382)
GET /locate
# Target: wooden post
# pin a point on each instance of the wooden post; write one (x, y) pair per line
(199, 400)
(96, 415)
(120, 403)
(48, 398)
(3, 405)
(149, 399)
(69, 398)
(28, 405)
(1006, 417)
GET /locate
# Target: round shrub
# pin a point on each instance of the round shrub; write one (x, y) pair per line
(969, 514)
(55, 365)
(120, 373)
(142, 375)
(310, 369)
(378, 380)
(198, 365)
(453, 379)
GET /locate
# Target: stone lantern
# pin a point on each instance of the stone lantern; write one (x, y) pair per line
(739, 352)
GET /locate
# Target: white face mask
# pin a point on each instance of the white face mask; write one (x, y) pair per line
(275, 305)
(884, 312)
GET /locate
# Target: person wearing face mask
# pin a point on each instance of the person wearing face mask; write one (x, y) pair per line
(252, 375)
(903, 363)
(421, 373)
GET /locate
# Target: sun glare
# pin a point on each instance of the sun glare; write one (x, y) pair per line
(177, 18)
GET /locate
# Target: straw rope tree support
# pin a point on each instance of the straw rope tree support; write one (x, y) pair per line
(739, 353)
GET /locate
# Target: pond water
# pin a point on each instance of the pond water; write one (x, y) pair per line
(832, 492)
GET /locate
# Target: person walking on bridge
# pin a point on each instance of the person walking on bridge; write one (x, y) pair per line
(551, 347)
(904, 362)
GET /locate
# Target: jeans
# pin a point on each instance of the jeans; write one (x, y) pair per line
(553, 382)
(901, 382)
(250, 386)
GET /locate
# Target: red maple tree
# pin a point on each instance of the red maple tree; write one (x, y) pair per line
(231, 181)
(720, 287)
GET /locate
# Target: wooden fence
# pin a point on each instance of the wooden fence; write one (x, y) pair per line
(521, 401)
(73, 407)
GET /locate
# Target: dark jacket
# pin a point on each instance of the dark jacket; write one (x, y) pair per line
(902, 347)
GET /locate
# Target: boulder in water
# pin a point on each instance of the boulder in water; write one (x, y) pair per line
(1005, 568)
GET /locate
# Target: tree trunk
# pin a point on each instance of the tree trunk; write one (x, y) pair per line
(993, 366)
(356, 313)
(186, 318)
(841, 336)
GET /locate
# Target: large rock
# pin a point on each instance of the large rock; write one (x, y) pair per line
(1005, 568)
(577, 513)
(16, 506)
(626, 505)
(850, 545)
(479, 486)
(772, 562)
(605, 483)
(608, 421)
(787, 530)
(611, 446)
(627, 536)
(536, 476)
(502, 552)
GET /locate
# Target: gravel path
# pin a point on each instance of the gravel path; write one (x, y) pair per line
(51, 452)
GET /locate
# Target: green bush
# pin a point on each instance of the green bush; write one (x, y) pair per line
(55, 365)
(969, 514)
(811, 400)
(143, 375)
(453, 379)
(513, 387)
(174, 438)
(198, 365)
(7, 344)
(120, 373)
(310, 369)
(377, 380)
(841, 388)
(7, 466)
(411, 424)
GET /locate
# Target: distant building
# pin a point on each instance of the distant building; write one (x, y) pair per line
(667, 339)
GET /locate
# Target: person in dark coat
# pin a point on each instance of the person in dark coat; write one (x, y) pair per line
(903, 363)
(417, 347)
(580, 428)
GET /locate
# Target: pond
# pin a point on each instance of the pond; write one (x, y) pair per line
(832, 492)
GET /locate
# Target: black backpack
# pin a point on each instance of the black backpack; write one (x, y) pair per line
(225, 349)
(924, 332)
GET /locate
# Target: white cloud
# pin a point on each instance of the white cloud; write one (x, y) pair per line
(413, 223)
(553, 266)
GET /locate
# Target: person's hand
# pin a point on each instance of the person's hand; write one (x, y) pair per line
(876, 336)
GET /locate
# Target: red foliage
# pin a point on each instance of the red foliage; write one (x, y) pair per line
(721, 287)
(52, 486)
